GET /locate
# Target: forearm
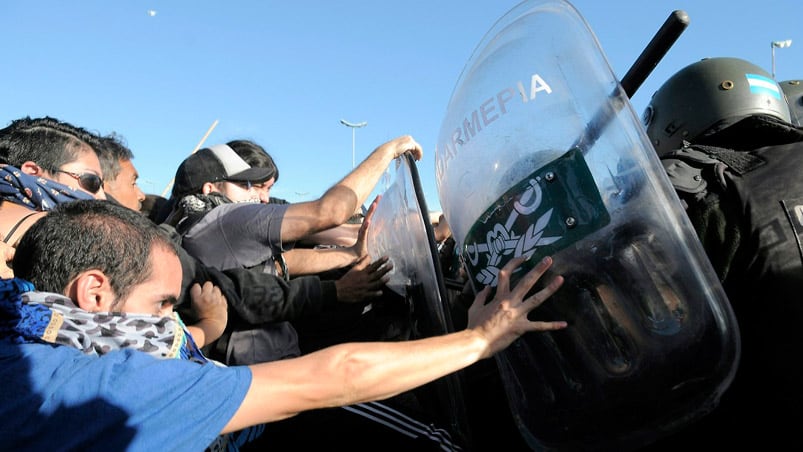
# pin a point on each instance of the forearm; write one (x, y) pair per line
(340, 202)
(306, 261)
(344, 197)
(353, 190)
(352, 373)
(343, 235)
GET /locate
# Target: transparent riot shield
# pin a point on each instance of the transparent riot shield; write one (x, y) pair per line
(400, 229)
(540, 153)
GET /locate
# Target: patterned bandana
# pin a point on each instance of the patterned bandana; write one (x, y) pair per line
(34, 192)
(27, 316)
(191, 208)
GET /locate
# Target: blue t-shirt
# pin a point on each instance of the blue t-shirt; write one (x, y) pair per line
(56, 398)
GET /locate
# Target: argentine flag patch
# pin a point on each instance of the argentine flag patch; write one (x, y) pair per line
(763, 85)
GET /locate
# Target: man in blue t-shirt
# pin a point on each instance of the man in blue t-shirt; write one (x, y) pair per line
(101, 362)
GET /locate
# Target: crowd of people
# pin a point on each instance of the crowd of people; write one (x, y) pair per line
(128, 322)
(98, 286)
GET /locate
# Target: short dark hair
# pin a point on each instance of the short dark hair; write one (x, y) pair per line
(255, 155)
(111, 150)
(46, 141)
(89, 234)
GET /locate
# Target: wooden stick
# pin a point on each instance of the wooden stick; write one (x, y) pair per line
(200, 143)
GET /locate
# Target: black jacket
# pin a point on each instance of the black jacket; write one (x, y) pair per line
(747, 210)
(255, 298)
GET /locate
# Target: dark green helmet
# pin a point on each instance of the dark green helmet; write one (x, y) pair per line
(793, 90)
(707, 96)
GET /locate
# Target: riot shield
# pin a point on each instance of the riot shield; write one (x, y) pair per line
(652, 342)
(400, 229)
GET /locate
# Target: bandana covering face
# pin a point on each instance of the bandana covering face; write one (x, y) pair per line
(35, 192)
(35, 317)
(27, 317)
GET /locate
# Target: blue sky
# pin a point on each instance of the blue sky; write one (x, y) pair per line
(284, 73)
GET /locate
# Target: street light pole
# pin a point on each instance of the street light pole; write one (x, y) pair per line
(780, 45)
(353, 126)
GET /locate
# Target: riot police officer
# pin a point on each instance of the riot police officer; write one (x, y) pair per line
(732, 150)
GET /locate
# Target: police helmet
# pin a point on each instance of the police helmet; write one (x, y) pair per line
(707, 96)
(793, 90)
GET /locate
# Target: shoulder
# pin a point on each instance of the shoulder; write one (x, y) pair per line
(239, 211)
(126, 366)
(51, 384)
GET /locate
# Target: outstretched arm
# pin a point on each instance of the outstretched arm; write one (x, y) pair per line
(343, 235)
(306, 261)
(341, 200)
(311, 261)
(358, 372)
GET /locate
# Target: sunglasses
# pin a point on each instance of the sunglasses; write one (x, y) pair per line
(90, 182)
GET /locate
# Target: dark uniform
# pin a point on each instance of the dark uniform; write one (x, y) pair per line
(742, 183)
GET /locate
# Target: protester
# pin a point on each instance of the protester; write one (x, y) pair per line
(139, 402)
(223, 229)
(45, 163)
(338, 323)
(120, 174)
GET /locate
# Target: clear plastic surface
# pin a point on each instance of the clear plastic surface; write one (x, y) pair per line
(399, 231)
(540, 152)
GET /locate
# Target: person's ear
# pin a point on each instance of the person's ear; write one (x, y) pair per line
(208, 187)
(31, 168)
(91, 291)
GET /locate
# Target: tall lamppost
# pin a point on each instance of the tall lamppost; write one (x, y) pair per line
(780, 45)
(353, 126)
